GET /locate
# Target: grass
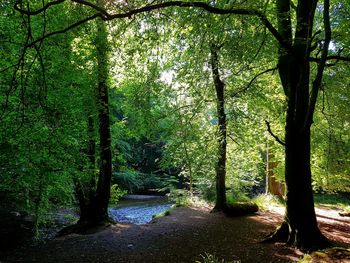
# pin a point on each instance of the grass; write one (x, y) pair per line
(208, 258)
(164, 213)
(347, 209)
(183, 198)
(334, 201)
(335, 254)
(264, 201)
(237, 198)
(267, 201)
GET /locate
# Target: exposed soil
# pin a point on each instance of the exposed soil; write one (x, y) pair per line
(183, 236)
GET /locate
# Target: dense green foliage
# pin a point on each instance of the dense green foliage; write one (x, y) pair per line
(162, 103)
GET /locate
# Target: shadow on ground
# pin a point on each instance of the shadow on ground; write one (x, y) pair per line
(183, 236)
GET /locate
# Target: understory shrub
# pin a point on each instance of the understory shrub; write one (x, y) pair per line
(134, 181)
(116, 194)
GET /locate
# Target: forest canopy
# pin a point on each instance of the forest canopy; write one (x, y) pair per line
(175, 96)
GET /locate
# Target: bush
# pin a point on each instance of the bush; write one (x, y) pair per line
(206, 189)
(134, 181)
(116, 194)
(180, 197)
(236, 197)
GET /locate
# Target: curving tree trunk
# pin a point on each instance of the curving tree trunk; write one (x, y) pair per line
(220, 203)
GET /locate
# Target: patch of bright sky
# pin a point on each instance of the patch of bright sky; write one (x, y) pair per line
(332, 46)
(167, 76)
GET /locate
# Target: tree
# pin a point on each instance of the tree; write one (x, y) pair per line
(104, 180)
(300, 226)
(43, 124)
(94, 206)
(294, 58)
(220, 203)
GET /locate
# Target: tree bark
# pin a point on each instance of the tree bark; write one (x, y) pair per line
(105, 173)
(94, 209)
(300, 224)
(220, 203)
(85, 191)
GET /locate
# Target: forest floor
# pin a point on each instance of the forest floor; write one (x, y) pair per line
(185, 235)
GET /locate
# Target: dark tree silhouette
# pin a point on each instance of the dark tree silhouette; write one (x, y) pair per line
(220, 203)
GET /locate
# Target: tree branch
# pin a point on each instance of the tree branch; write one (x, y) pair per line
(273, 135)
(17, 68)
(7, 68)
(37, 12)
(235, 141)
(211, 9)
(93, 6)
(251, 82)
(338, 58)
(76, 24)
(332, 57)
(321, 65)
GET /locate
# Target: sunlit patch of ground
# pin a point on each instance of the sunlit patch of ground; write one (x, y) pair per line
(332, 225)
(332, 255)
(289, 256)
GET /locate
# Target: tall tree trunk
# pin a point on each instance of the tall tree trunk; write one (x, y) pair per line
(300, 225)
(85, 191)
(97, 201)
(104, 179)
(220, 203)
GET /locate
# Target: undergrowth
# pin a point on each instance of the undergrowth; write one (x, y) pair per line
(209, 258)
(237, 198)
(338, 201)
(267, 201)
(333, 201)
(164, 213)
(184, 198)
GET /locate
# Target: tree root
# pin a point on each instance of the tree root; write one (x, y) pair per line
(306, 242)
(241, 209)
(313, 242)
(86, 227)
(281, 234)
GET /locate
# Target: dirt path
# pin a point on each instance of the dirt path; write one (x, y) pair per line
(183, 236)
